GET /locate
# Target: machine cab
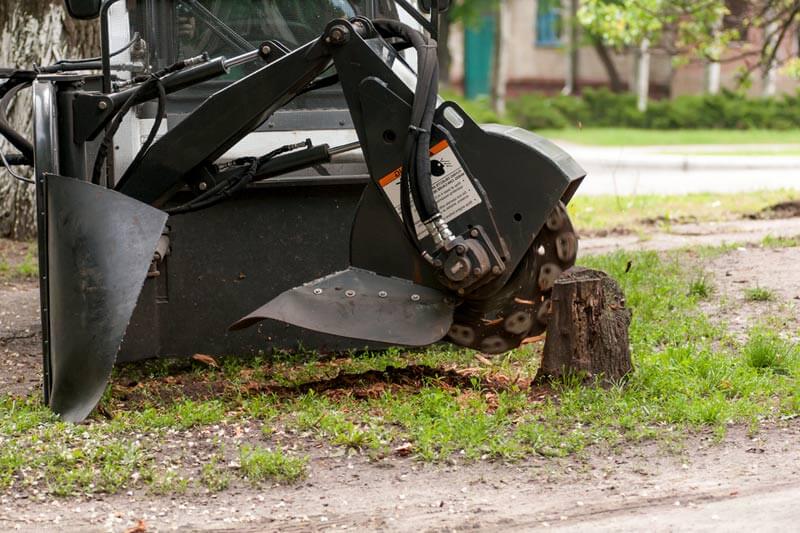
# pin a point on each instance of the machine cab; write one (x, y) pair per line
(164, 31)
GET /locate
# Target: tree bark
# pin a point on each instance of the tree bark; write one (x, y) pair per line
(33, 32)
(587, 333)
(443, 49)
(500, 65)
(572, 85)
(643, 75)
(614, 78)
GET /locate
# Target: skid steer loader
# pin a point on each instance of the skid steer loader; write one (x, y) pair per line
(234, 177)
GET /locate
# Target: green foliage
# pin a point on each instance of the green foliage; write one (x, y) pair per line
(701, 287)
(260, 464)
(758, 294)
(535, 113)
(693, 27)
(765, 350)
(601, 108)
(780, 242)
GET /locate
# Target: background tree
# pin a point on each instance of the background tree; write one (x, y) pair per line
(33, 32)
(681, 28)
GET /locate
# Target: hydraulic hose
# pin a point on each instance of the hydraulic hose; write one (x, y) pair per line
(417, 170)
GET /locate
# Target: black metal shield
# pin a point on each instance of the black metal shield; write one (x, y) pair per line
(99, 247)
(360, 304)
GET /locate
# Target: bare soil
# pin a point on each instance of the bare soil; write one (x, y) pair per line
(705, 486)
(773, 269)
(742, 483)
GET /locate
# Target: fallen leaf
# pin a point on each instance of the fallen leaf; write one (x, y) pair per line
(206, 359)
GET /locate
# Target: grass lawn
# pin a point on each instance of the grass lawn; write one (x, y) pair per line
(178, 426)
(640, 137)
(593, 213)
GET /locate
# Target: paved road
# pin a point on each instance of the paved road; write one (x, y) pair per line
(649, 170)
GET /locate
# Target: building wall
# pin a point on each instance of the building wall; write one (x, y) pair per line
(533, 67)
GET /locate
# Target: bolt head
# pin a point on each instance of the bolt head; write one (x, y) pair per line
(383, 294)
(461, 249)
(496, 270)
(474, 233)
(317, 291)
(477, 271)
(203, 186)
(338, 35)
(415, 297)
(349, 293)
(102, 105)
(265, 50)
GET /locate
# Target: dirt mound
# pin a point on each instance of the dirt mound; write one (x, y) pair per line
(788, 209)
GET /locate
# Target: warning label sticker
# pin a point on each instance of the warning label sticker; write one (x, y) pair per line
(454, 192)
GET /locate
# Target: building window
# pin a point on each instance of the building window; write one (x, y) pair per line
(548, 23)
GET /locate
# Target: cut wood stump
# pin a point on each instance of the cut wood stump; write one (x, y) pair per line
(587, 333)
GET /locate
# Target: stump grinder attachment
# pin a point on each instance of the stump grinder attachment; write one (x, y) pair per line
(456, 231)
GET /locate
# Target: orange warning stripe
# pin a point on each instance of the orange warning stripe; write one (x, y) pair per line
(395, 174)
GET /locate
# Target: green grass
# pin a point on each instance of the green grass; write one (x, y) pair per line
(758, 294)
(690, 375)
(27, 268)
(645, 211)
(766, 350)
(701, 287)
(780, 242)
(260, 464)
(641, 137)
(767, 151)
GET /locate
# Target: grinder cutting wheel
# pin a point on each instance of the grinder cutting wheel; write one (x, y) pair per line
(456, 231)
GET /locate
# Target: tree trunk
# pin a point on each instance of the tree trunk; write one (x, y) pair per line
(573, 58)
(500, 64)
(33, 32)
(643, 75)
(608, 63)
(443, 49)
(588, 329)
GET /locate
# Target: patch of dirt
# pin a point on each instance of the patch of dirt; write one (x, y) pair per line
(780, 210)
(20, 339)
(14, 253)
(129, 394)
(774, 269)
(609, 232)
(694, 235)
(661, 220)
(707, 486)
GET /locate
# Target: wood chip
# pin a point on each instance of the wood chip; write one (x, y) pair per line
(140, 527)
(532, 340)
(524, 302)
(484, 360)
(404, 450)
(206, 359)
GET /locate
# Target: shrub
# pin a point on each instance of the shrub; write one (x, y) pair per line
(534, 112)
(600, 108)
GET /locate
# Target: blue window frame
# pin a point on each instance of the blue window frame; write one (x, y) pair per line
(548, 23)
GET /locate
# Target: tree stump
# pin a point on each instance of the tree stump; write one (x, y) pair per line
(587, 333)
